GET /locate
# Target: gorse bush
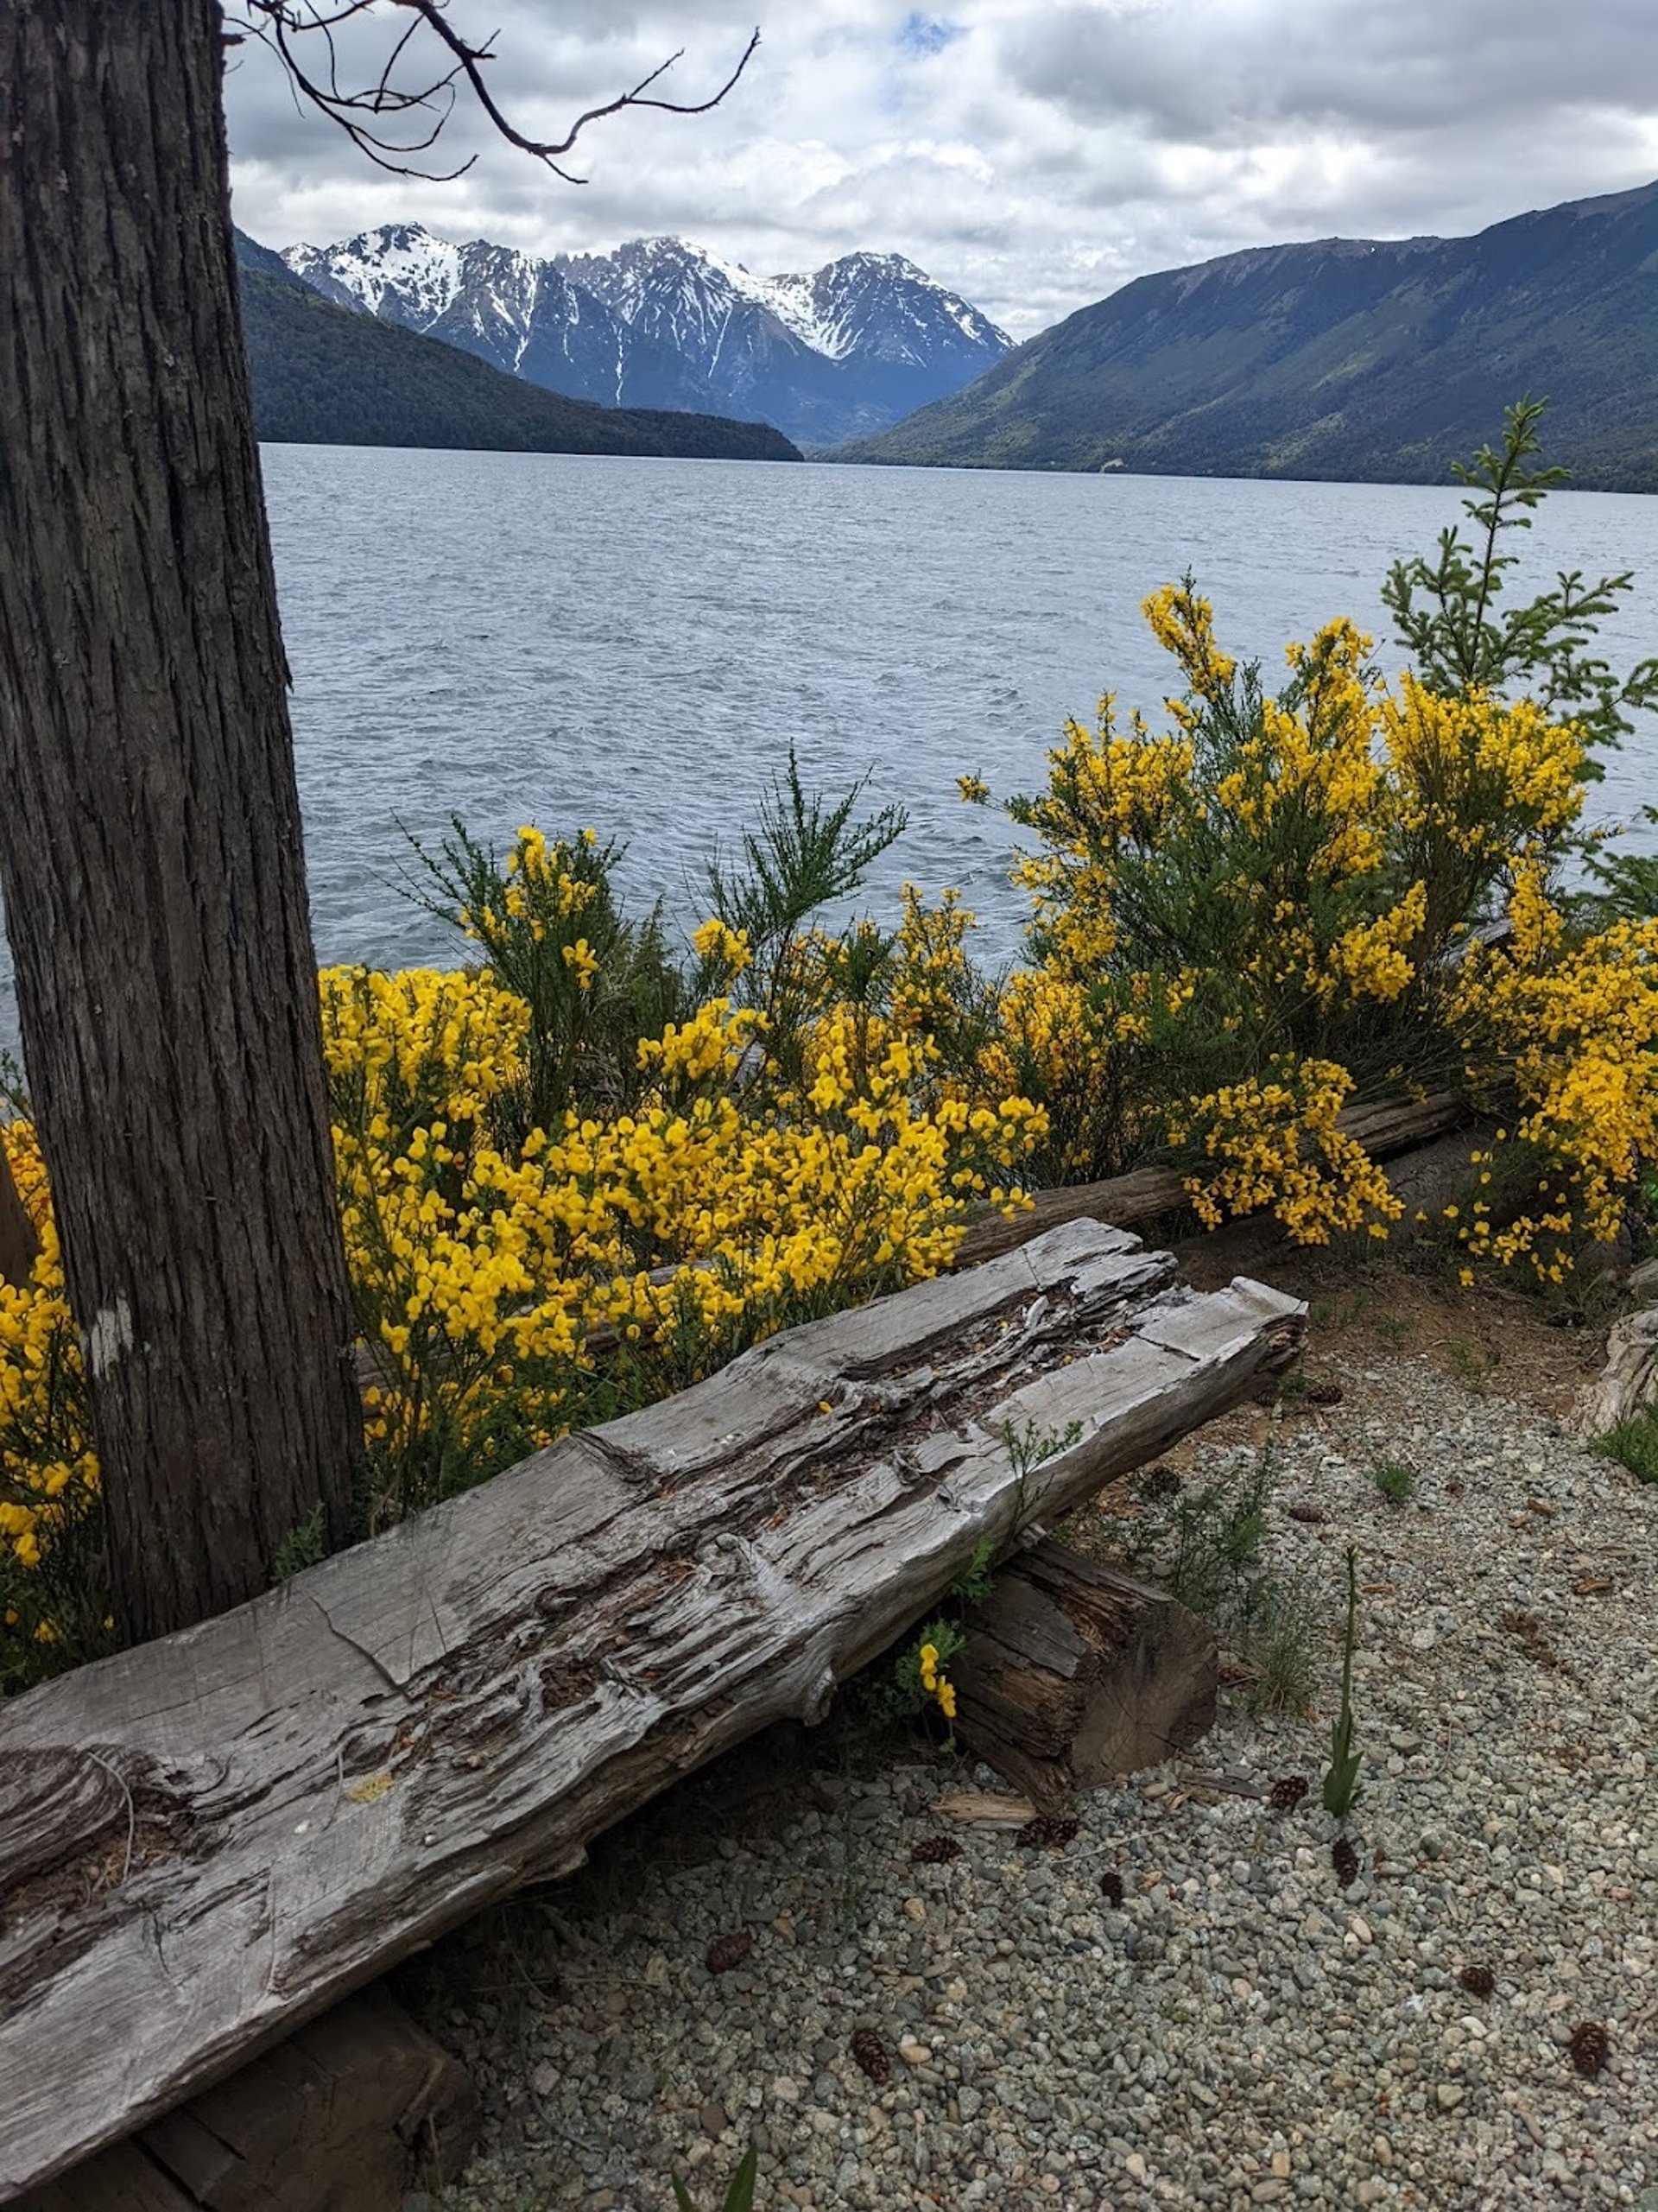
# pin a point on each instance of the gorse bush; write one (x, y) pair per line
(1347, 888)
(590, 1164)
(571, 1178)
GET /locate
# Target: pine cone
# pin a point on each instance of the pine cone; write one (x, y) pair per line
(727, 1951)
(1055, 1829)
(1158, 1481)
(1110, 1888)
(872, 2055)
(1477, 1980)
(1345, 1859)
(934, 1851)
(1313, 1516)
(1589, 2046)
(1285, 1796)
(1323, 1393)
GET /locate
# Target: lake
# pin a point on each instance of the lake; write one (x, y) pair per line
(634, 645)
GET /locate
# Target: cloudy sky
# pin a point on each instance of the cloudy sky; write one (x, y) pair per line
(1033, 154)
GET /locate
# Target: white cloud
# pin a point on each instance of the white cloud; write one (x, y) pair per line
(1033, 155)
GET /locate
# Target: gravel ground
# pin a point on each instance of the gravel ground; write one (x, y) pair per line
(1242, 2031)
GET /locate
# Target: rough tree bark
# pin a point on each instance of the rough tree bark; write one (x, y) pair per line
(150, 856)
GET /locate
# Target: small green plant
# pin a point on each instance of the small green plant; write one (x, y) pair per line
(1341, 1776)
(1028, 1447)
(1634, 1444)
(976, 1580)
(1204, 1547)
(302, 1546)
(1395, 1479)
(807, 853)
(1277, 1646)
(1470, 1364)
(738, 2197)
(921, 1675)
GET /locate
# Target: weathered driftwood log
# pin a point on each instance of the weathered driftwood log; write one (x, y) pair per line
(208, 1839)
(347, 2115)
(1629, 1381)
(1073, 1674)
(1392, 1127)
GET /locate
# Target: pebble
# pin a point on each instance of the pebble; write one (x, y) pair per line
(1242, 2031)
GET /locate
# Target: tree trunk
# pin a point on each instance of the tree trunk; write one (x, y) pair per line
(150, 856)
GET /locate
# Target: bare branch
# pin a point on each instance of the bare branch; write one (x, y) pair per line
(368, 114)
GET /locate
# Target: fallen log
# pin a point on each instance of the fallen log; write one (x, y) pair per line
(1073, 1674)
(1627, 1383)
(1384, 1130)
(286, 1801)
(348, 2115)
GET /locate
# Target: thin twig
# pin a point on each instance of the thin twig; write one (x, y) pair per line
(360, 111)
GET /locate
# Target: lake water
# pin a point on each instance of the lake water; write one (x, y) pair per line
(634, 644)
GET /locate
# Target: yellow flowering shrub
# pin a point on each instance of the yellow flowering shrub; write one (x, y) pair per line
(1274, 1144)
(50, 1582)
(1563, 1045)
(709, 1213)
(510, 1286)
(1242, 924)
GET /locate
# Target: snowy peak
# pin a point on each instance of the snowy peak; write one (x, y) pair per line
(399, 272)
(661, 322)
(883, 305)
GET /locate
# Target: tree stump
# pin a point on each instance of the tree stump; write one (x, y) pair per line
(1074, 1674)
(349, 2115)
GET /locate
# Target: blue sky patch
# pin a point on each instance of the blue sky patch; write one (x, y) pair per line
(922, 33)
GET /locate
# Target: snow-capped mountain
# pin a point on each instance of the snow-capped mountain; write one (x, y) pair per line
(660, 323)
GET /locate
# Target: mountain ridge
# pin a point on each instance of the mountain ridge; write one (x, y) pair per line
(840, 350)
(325, 375)
(1336, 358)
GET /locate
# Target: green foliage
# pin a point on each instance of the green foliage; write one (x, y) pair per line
(1634, 1444)
(976, 1580)
(1395, 1479)
(1028, 1443)
(1341, 1776)
(806, 853)
(738, 2197)
(555, 935)
(1204, 1546)
(302, 1546)
(1277, 1645)
(1471, 1365)
(1626, 884)
(1448, 616)
(943, 1635)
